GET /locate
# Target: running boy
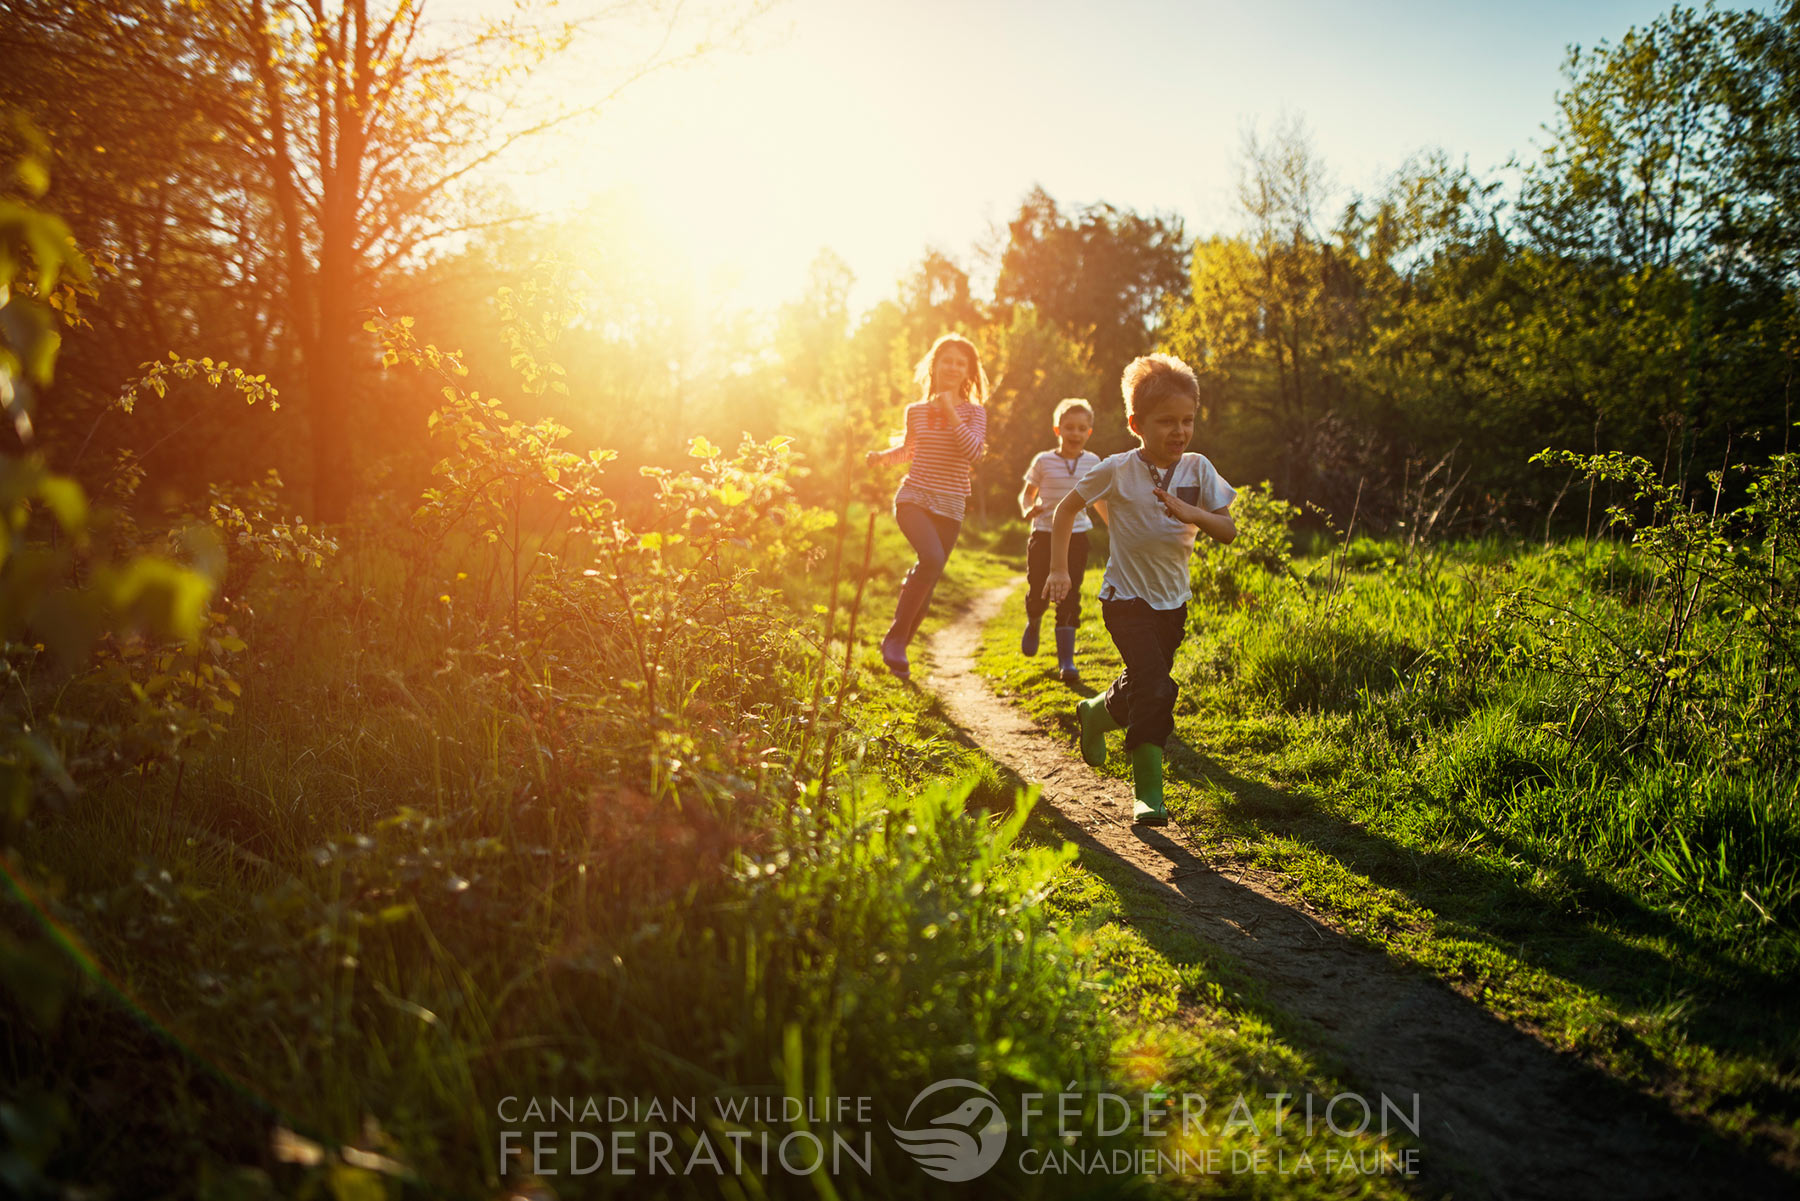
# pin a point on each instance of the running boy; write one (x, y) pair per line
(1158, 499)
(1048, 479)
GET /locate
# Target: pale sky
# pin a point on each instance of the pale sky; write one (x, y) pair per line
(879, 129)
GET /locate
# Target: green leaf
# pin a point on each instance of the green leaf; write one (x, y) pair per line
(67, 501)
(32, 176)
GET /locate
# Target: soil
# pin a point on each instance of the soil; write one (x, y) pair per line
(1503, 1116)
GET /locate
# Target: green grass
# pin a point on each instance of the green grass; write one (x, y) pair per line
(1379, 748)
(428, 866)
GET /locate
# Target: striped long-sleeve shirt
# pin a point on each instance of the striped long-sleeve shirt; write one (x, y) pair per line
(941, 455)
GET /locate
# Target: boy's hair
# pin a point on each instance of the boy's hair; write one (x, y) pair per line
(1153, 378)
(975, 388)
(1073, 402)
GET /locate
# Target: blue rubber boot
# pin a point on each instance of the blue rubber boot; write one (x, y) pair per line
(1065, 654)
(1092, 724)
(1146, 783)
(1028, 645)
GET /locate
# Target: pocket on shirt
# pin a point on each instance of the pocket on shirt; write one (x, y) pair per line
(1188, 494)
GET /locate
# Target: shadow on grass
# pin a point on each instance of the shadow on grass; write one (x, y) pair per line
(1453, 1053)
(1728, 1005)
(1711, 998)
(1722, 1003)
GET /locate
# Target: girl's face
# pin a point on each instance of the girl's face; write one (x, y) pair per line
(1075, 429)
(952, 370)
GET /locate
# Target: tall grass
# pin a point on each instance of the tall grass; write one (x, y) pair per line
(1535, 698)
(436, 859)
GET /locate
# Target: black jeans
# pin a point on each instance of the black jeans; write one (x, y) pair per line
(1142, 699)
(1037, 569)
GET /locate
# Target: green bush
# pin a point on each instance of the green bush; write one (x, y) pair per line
(1223, 575)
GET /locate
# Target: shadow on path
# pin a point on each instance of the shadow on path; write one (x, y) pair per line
(1503, 1116)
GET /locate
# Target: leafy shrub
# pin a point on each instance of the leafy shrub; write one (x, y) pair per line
(1221, 575)
(1710, 659)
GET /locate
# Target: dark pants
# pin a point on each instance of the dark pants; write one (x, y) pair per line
(1142, 699)
(1037, 569)
(933, 538)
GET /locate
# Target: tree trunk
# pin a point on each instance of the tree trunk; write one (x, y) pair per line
(329, 372)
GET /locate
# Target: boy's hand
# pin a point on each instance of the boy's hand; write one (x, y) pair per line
(1056, 585)
(1179, 509)
(872, 457)
(1034, 510)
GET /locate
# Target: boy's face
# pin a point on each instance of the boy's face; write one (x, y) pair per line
(1165, 428)
(1075, 428)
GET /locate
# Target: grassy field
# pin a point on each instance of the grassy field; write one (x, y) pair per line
(445, 850)
(1469, 759)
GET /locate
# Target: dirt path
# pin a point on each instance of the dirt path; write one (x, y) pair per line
(1503, 1116)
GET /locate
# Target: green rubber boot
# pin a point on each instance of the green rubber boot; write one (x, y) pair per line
(1092, 724)
(1146, 782)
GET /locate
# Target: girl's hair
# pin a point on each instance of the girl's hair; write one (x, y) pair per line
(1073, 402)
(975, 388)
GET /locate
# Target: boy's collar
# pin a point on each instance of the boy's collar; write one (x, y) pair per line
(1142, 454)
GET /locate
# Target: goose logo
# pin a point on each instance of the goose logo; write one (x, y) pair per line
(959, 1144)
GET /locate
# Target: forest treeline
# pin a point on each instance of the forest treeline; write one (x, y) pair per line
(253, 191)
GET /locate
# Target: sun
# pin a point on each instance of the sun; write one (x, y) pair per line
(738, 171)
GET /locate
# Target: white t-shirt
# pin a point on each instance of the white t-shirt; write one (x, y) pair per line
(1150, 549)
(1054, 476)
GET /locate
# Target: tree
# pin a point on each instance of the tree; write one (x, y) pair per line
(936, 298)
(1102, 274)
(811, 332)
(1663, 206)
(366, 125)
(1035, 365)
(1277, 312)
(1762, 223)
(1634, 172)
(147, 180)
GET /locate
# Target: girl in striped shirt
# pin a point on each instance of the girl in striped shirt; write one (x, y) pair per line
(942, 440)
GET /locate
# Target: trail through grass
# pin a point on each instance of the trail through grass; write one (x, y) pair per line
(1382, 735)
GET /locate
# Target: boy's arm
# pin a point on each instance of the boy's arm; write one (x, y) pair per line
(1028, 506)
(1099, 507)
(1056, 583)
(1216, 524)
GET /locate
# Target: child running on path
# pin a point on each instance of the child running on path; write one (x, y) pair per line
(1158, 499)
(1049, 478)
(943, 439)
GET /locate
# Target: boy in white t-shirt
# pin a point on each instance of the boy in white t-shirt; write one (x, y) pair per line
(1047, 481)
(1158, 498)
